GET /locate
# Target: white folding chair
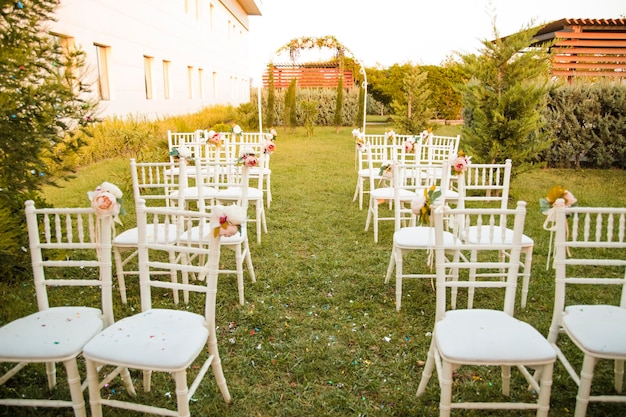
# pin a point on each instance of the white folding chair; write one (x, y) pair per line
(488, 185)
(158, 184)
(590, 297)
(410, 237)
(374, 151)
(61, 238)
(164, 339)
(484, 337)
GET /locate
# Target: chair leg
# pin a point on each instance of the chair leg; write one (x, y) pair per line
(216, 364)
(239, 259)
(119, 269)
(445, 399)
(182, 393)
(248, 259)
(428, 369)
(506, 380)
(399, 260)
(51, 373)
(545, 388)
(619, 375)
(392, 264)
(584, 388)
(528, 259)
(76, 392)
(94, 389)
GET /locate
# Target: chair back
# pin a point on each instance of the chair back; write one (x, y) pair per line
(155, 182)
(591, 255)
(189, 255)
(487, 185)
(63, 238)
(453, 267)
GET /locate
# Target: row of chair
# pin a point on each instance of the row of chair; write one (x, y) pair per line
(159, 338)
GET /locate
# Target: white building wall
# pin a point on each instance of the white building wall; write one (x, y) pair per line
(203, 38)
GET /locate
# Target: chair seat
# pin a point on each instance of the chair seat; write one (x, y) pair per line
(490, 337)
(192, 193)
(599, 329)
(386, 193)
(483, 231)
(158, 339)
(370, 172)
(419, 237)
(130, 237)
(58, 333)
(233, 193)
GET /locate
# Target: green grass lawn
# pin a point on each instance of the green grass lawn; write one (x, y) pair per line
(319, 334)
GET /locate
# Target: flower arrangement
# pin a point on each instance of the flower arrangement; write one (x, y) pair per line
(359, 139)
(269, 147)
(214, 138)
(226, 221)
(181, 151)
(237, 131)
(386, 170)
(390, 135)
(426, 135)
(248, 157)
(106, 200)
(273, 133)
(557, 196)
(460, 163)
(421, 206)
(409, 144)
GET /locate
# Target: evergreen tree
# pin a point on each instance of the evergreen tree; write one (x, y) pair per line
(338, 119)
(271, 97)
(42, 105)
(503, 99)
(291, 114)
(412, 110)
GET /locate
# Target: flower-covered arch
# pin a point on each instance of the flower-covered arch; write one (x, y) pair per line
(296, 46)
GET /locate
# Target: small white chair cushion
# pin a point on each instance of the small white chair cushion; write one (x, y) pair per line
(157, 339)
(599, 329)
(419, 237)
(130, 237)
(472, 236)
(233, 193)
(386, 193)
(58, 333)
(490, 337)
(370, 172)
(191, 193)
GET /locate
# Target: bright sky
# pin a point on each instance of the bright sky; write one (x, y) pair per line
(387, 32)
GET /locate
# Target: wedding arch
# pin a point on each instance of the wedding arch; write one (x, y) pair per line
(307, 44)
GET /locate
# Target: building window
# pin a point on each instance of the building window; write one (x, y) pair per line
(166, 79)
(200, 83)
(190, 81)
(68, 49)
(147, 68)
(104, 88)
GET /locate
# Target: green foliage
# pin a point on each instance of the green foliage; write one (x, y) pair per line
(309, 112)
(42, 106)
(268, 113)
(291, 112)
(412, 110)
(587, 124)
(338, 119)
(360, 112)
(503, 100)
(443, 82)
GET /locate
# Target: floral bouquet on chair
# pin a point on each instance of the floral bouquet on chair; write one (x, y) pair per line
(248, 158)
(557, 196)
(422, 205)
(226, 221)
(106, 200)
(460, 163)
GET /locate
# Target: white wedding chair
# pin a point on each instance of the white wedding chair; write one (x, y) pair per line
(163, 339)
(375, 151)
(158, 184)
(63, 239)
(484, 337)
(488, 185)
(590, 297)
(412, 237)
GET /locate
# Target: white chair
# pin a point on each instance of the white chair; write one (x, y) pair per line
(157, 184)
(590, 297)
(163, 339)
(61, 238)
(374, 151)
(413, 237)
(488, 185)
(484, 337)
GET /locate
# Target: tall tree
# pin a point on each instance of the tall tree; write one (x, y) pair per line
(503, 99)
(42, 105)
(271, 97)
(338, 118)
(412, 110)
(291, 112)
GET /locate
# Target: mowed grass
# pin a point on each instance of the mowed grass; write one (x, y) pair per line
(319, 333)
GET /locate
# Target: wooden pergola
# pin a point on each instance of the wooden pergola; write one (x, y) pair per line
(586, 47)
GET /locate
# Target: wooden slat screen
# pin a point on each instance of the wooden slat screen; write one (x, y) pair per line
(309, 77)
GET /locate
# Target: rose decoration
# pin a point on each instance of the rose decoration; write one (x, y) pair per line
(106, 200)
(390, 134)
(557, 192)
(237, 131)
(248, 157)
(215, 138)
(273, 133)
(409, 144)
(460, 163)
(226, 221)
(426, 135)
(269, 147)
(181, 152)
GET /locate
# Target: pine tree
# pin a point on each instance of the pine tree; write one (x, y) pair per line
(412, 109)
(291, 114)
(271, 97)
(503, 100)
(338, 118)
(42, 105)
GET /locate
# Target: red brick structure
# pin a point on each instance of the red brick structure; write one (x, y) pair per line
(325, 74)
